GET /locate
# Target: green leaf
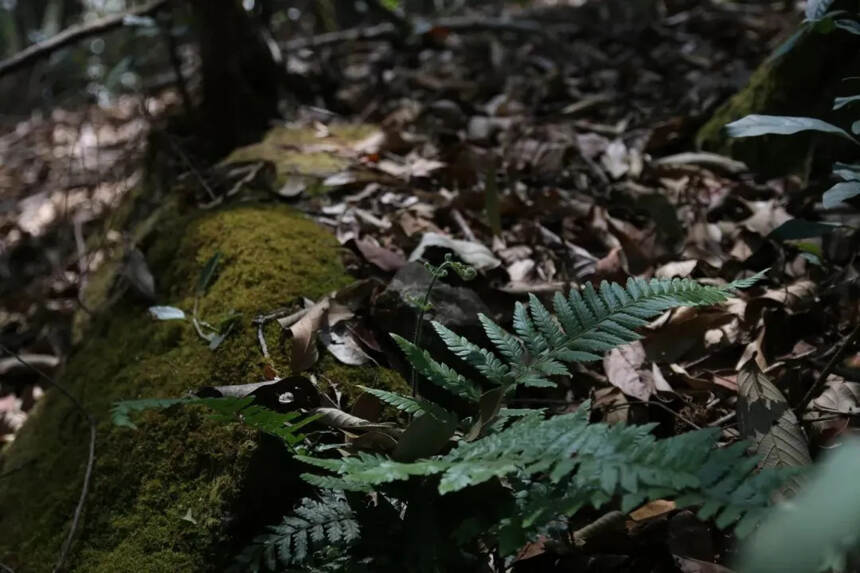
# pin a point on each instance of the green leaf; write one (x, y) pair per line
(840, 192)
(206, 274)
(755, 125)
(816, 9)
(790, 43)
(850, 26)
(821, 521)
(841, 102)
(801, 229)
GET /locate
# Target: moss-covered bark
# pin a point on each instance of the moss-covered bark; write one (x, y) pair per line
(167, 496)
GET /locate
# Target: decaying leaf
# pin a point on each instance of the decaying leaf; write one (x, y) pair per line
(623, 367)
(474, 254)
(765, 418)
(304, 335)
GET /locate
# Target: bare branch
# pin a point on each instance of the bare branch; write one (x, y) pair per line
(73, 34)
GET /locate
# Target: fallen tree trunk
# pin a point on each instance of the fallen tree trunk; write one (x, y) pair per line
(181, 492)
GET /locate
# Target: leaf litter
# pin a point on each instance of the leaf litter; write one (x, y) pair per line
(593, 177)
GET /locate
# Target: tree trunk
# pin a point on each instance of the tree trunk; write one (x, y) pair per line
(802, 82)
(240, 78)
(181, 492)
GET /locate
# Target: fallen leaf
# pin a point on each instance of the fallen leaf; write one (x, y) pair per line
(385, 259)
(166, 313)
(765, 418)
(345, 348)
(676, 269)
(652, 509)
(622, 366)
(839, 397)
(474, 254)
(304, 335)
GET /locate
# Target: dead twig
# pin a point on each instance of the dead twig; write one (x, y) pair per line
(828, 368)
(387, 30)
(67, 543)
(73, 34)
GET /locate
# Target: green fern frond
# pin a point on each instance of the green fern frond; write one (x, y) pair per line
(586, 324)
(483, 360)
(440, 374)
(312, 526)
(410, 405)
(600, 459)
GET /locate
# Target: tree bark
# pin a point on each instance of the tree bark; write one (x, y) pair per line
(240, 78)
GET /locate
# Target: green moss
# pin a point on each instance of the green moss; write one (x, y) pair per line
(349, 378)
(292, 152)
(146, 480)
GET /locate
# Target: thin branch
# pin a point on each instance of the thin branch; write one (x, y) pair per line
(828, 368)
(458, 24)
(74, 34)
(88, 473)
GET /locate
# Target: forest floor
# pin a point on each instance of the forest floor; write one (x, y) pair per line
(545, 155)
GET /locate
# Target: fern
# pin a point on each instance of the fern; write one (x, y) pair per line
(556, 466)
(410, 405)
(585, 324)
(597, 461)
(313, 526)
(226, 410)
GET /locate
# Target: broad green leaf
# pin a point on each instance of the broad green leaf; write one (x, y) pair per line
(847, 171)
(801, 229)
(821, 521)
(850, 26)
(841, 102)
(755, 125)
(816, 9)
(206, 274)
(840, 192)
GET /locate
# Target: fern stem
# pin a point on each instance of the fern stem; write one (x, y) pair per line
(828, 368)
(416, 340)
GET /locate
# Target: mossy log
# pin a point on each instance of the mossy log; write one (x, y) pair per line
(179, 492)
(802, 82)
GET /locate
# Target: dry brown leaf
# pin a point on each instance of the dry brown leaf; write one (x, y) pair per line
(652, 509)
(385, 259)
(304, 335)
(622, 366)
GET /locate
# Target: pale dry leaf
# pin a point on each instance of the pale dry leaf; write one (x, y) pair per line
(616, 159)
(304, 334)
(839, 397)
(652, 509)
(344, 347)
(474, 254)
(676, 269)
(622, 366)
(385, 259)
